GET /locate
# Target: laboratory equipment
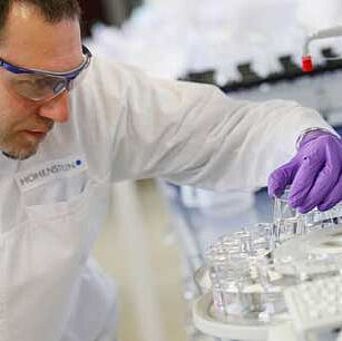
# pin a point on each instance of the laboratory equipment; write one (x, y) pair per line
(315, 306)
(307, 63)
(250, 271)
(288, 222)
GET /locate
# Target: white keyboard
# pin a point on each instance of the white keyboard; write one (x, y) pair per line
(316, 306)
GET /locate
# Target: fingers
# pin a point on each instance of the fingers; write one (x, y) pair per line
(316, 179)
(304, 180)
(281, 177)
(333, 198)
(324, 184)
(314, 175)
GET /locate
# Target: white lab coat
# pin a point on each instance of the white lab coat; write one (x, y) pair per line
(123, 126)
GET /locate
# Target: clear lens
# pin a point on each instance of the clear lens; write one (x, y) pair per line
(39, 85)
(36, 87)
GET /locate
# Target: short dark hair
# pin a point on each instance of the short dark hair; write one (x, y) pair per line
(52, 10)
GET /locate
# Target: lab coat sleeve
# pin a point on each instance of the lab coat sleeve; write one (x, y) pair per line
(193, 133)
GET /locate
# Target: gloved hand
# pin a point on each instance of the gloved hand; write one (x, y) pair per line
(315, 173)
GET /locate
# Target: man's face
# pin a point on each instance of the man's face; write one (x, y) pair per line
(31, 42)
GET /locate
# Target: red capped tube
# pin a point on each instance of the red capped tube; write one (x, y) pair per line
(307, 65)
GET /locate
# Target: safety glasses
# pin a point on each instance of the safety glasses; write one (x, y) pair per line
(40, 85)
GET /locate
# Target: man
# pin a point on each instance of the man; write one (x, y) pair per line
(61, 149)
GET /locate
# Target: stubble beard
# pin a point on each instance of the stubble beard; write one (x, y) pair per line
(16, 150)
(19, 147)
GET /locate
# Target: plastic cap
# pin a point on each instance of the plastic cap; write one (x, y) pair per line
(307, 65)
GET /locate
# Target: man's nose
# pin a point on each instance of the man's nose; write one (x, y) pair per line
(57, 109)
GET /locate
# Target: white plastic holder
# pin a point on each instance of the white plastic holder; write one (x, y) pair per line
(207, 323)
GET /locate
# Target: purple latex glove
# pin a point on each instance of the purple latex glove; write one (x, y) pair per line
(315, 173)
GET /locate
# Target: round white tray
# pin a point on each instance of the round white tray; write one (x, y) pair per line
(322, 242)
(244, 330)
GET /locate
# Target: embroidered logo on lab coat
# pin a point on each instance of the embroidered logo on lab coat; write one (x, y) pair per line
(49, 171)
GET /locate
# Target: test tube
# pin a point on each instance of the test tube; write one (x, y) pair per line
(244, 238)
(336, 214)
(228, 272)
(316, 220)
(288, 222)
(216, 264)
(237, 277)
(263, 238)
